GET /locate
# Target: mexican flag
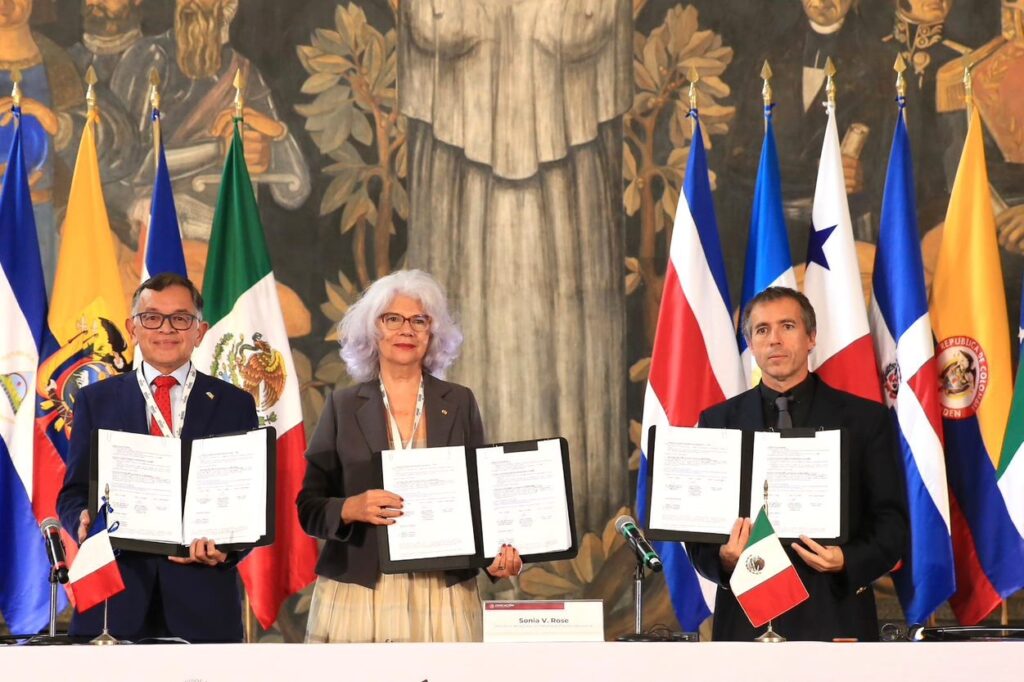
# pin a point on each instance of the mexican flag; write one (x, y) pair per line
(765, 583)
(247, 345)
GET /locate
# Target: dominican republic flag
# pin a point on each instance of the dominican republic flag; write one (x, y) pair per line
(769, 263)
(24, 567)
(901, 328)
(843, 355)
(694, 365)
(94, 574)
(764, 581)
(163, 251)
(247, 345)
(970, 321)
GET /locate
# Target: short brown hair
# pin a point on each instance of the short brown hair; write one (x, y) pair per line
(777, 294)
(169, 279)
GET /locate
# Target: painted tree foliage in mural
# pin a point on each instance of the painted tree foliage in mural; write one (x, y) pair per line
(654, 172)
(353, 120)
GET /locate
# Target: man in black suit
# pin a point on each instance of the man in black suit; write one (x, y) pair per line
(779, 325)
(194, 598)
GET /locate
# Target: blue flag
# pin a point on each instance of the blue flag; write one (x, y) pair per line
(24, 567)
(902, 333)
(164, 252)
(768, 258)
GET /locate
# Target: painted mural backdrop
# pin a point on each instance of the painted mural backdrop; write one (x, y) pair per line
(530, 154)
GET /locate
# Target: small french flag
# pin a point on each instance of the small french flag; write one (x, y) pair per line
(94, 574)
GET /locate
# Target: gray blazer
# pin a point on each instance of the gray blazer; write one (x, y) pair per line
(353, 425)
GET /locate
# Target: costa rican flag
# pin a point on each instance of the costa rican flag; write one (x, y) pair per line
(694, 363)
(902, 331)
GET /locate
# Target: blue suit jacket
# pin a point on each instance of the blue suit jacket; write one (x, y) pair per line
(199, 603)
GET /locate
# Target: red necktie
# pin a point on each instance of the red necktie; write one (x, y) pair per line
(163, 401)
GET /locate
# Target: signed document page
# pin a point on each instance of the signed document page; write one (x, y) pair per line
(144, 476)
(804, 483)
(695, 479)
(227, 489)
(437, 519)
(523, 499)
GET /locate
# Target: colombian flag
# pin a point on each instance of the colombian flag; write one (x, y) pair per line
(87, 316)
(969, 318)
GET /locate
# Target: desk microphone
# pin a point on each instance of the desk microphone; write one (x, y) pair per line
(627, 526)
(55, 548)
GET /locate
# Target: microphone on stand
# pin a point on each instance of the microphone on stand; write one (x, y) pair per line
(626, 525)
(50, 528)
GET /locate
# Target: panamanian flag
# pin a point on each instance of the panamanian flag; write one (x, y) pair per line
(247, 345)
(843, 355)
(902, 332)
(768, 262)
(693, 365)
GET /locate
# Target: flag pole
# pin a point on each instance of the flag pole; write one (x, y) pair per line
(154, 103)
(694, 76)
(16, 96)
(769, 636)
(901, 86)
(830, 85)
(766, 92)
(90, 93)
(104, 638)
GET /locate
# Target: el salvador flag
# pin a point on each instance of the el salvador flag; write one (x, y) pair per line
(24, 567)
(902, 333)
(768, 261)
(164, 252)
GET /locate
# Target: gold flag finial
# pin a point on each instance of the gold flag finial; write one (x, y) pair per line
(830, 85)
(154, 88)
(694, 76)
(16, 88)
(901, 83)
(766, 89)
(90, 92)
(239, 84)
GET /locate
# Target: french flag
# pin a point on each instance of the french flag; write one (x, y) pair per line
(163, 251)
(902, 331)
(693, 365)
(769, 263)
(844, 355)
(94, 575)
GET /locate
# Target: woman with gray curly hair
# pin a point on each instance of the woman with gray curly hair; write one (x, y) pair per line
(397, 340)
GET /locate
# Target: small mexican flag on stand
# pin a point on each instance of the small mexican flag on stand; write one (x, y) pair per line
(765, 583)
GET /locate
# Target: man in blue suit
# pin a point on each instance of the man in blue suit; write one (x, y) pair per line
(195, 598)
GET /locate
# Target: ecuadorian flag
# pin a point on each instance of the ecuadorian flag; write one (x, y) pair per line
(969, 318)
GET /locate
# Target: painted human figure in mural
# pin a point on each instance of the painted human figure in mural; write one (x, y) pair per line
(921, 36)
(827, 29)
(515, 148)
(196, 66)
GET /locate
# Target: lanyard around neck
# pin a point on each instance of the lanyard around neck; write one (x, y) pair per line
(396, 434)
(154, 410)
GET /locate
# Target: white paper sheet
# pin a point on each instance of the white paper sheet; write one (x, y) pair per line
(437, 519)
(695, 479)
(144, 475)
(227, 489)
(523, 499)
(803, 477)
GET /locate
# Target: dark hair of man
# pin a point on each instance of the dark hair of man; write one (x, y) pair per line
(777, 294)
(169, 279)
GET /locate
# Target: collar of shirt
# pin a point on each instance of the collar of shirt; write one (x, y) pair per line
(800, 401)
(181, 374)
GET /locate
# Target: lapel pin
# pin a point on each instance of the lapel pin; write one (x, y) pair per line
(209, 395)
(444, 413)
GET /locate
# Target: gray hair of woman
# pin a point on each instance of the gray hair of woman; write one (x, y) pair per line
(360, 333)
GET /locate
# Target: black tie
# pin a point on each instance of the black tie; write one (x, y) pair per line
(784, 420)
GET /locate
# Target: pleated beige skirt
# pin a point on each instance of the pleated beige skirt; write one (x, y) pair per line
(408, 607)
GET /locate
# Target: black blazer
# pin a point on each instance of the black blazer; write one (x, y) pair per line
(353, 425)
(840, 604)
(199, 603)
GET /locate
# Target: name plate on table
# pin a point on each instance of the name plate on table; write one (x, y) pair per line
(580, 620)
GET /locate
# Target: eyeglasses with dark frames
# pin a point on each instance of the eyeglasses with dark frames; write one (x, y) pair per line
(394, 321)
(179, 321)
